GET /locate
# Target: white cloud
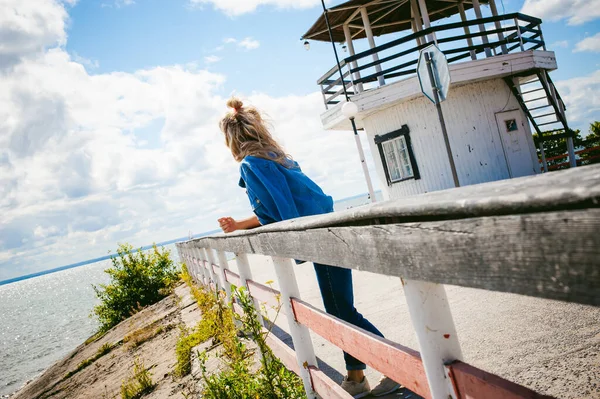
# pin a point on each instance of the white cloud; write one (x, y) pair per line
(582, 98)
(560, 43)
(93, 64)
(249, 44)
(239, 7)
(90, 160)
(211, 59)
(118, 3)
(591, 43)
(27, 27)
(576, 11)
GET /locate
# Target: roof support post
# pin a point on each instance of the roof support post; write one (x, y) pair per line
(426, 22)
(484, 38)
(369, 33)
(463, 17)
(417, 22)
(498, 25)
(353, 64)
(571, 152)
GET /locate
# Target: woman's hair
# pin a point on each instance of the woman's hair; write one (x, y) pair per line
(246, 133)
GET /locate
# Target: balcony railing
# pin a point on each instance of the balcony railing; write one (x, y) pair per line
(535, 236)
(398, 58)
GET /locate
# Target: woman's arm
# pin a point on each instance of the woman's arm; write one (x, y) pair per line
(229, 224)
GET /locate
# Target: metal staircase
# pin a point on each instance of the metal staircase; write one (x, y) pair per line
(541, 102)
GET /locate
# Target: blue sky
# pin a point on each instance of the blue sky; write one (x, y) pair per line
(148, 33)
(109, 113)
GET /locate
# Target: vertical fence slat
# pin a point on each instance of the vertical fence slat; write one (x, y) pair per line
(210, 259)
(432, 320)
(224, 265)
(210, 256)
(200, 268)
(305, 353)
(246, 274)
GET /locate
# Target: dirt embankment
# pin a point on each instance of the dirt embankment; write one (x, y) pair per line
(97, 369)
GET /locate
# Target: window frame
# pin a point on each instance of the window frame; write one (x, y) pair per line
(402, 132)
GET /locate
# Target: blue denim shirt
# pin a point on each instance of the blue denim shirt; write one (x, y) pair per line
(278, 193)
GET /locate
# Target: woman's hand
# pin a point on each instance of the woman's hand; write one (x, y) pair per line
(228, 224)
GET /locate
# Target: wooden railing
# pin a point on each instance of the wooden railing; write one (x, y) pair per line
(583, 161)
(535, 236)
(398, 58)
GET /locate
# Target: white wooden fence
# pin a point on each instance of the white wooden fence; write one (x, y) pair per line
(536, 236)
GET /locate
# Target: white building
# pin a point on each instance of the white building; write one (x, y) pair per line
(500, 88)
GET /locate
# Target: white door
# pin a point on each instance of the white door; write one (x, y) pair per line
(516, 144)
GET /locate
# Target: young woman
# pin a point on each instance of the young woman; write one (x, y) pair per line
(278, 190)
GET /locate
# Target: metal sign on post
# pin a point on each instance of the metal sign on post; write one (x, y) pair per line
(434, 78)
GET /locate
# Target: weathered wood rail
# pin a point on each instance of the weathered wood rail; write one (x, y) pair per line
(536, 236)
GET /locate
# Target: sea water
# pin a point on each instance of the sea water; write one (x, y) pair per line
(44, 318)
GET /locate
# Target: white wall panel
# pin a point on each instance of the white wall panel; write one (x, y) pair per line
(474, 137)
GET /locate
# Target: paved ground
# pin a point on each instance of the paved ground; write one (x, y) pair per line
(549, 346)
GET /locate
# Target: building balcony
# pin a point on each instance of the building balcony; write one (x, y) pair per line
(491, 44)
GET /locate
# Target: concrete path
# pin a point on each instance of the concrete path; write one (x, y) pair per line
(551, 347)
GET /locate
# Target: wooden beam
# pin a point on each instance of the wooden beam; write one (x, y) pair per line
(471, 382)
(494, 236)
(233, 278)
(325, 386)
(463, 17)
(398, 362)
(369, 33)
(282, 352)
(521, 254)
(264, 294)
(484, 38)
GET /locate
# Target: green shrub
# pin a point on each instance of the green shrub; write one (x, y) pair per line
(137, 279)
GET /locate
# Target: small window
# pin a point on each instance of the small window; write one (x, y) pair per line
(511, 125)
(397, 156)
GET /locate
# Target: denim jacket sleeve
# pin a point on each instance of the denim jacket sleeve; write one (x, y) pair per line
(268, 192)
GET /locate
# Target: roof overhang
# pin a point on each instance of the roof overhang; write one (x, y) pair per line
(385, 16)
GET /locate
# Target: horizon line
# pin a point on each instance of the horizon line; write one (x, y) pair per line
(143, 248)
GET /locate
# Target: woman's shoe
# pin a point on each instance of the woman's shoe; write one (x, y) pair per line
(385, 386)
(356, 389)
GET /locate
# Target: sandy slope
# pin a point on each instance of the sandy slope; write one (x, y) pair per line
(103, 378)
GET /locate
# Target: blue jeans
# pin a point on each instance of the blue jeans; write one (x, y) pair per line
(335, 284)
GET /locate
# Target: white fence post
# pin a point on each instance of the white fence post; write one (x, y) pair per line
(210, 255)
(241, 259)
(305, 353)
(432, 320)
(186, 258)
(224, 265)
(201, 270)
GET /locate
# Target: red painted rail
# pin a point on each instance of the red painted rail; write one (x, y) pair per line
(470, 382)
(398, 362)
(283, 353)
(232, 278)
(263, 293)
(326, 387)
(586, 150)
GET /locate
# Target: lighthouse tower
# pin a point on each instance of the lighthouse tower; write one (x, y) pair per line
(500, 92)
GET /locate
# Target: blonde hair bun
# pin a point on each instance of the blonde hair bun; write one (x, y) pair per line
(235, 103)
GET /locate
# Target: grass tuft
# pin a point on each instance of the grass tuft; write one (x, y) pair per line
(139, 384)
